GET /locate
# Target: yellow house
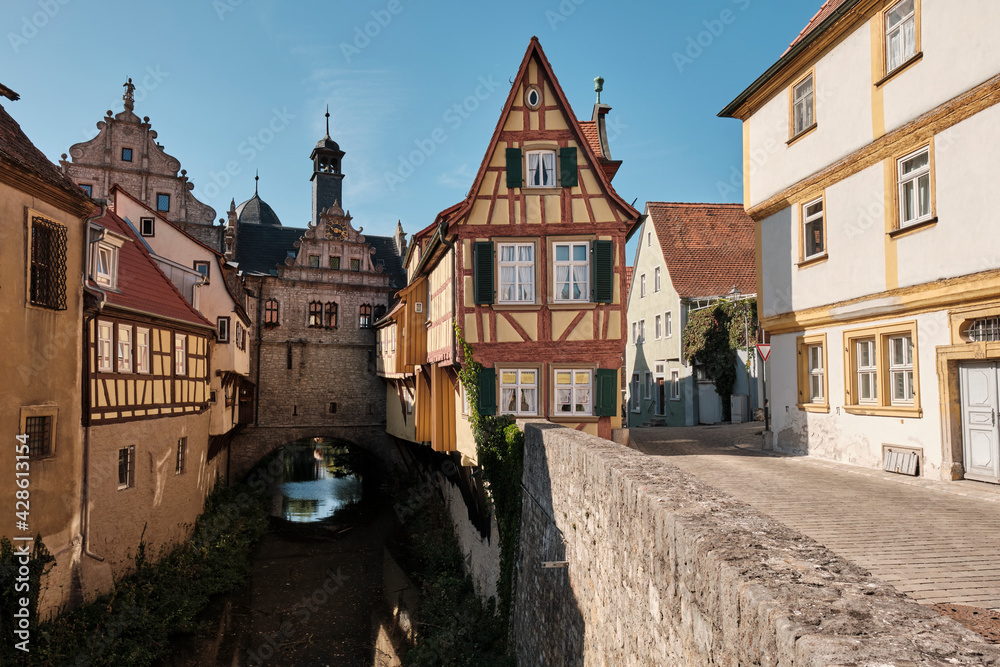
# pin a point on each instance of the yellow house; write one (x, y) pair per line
(42, 240)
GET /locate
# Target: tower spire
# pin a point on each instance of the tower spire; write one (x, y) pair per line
(328, 120)
(255, 179)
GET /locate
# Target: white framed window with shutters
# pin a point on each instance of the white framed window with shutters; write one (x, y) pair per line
(571, 263)
(541, 169)
(517, 272)
(574, 392)
(915, 190)
(518, 392)
(813, 230)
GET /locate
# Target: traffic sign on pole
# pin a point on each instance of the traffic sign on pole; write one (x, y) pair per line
(765, 350)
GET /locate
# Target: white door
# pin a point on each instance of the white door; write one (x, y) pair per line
(980, 441)
(709, 404)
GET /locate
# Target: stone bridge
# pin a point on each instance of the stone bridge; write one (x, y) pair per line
(256, 442)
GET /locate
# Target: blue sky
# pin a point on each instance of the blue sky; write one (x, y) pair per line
(233, 86)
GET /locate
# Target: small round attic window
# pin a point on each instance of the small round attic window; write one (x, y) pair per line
(533, 97)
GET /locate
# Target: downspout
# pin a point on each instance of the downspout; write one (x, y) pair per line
(85, 496)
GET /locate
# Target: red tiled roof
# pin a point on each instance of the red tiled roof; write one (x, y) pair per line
(628, 280)
(593, 137)
(142, 285)
(828, 8)
(708, 248)
(15, 147)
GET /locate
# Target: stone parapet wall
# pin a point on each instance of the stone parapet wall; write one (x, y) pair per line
(665, 570)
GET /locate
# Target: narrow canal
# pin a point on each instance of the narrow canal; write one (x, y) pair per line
(316, 595)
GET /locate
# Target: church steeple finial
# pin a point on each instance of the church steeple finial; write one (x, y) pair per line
(255, 179)
(328, 120)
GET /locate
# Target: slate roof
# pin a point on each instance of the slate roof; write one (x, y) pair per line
(15, 147)
(141, 284)
(260, 248)
(256, 211)
(708, 248)
(385, 250)
(828, 8)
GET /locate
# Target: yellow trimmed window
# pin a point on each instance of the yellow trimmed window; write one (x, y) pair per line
(882, 375)
(812, 373)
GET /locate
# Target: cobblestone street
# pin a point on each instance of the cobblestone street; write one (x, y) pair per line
(938, 542)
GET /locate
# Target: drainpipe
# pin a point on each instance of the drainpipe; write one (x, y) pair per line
(85, 496)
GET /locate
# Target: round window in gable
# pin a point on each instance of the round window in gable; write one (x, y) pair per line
(533, 97)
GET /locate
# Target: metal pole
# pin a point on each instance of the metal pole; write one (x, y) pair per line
(767, 421)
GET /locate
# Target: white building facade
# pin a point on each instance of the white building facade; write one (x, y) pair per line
(865, 170)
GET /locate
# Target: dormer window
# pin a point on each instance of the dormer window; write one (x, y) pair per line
(106, 265)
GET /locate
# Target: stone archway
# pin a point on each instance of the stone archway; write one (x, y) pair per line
(254, 443)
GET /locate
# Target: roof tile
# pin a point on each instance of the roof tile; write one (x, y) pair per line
(828, 8)
(708, 248)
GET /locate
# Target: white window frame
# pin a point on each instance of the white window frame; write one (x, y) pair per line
(902, 369)
(142, 339)
(912, 179)
(517, 264)
(180, 354)
(642, 331)
(571, 264)
(659, 377)
(817, 373)
(668, 325)
(129, 467)
(870, 371)
(577, 390)
(106, 265)
(634, 393)
(803, 105)
(811, 219)
(635, 333)
(649, 239)
(123, 358)
(538, 173)
(642, 286)
(907, 49)
(222, 327)
(658, 328)
(143, 231)
(647, 389)
(105, 341)
(181, 458)
(656, 279)
(519, 386)
(675, 385)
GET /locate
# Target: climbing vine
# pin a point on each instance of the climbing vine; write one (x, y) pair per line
(712, 337)
(500, 448)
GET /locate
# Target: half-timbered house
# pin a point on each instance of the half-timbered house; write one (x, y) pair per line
(146, 404)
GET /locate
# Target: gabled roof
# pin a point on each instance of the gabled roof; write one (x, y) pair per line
(708, 248)
(17, 149)
(142, 286)
(828, 8)
(159, 216)
(593, 155)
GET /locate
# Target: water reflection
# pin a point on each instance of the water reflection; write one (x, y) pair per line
(319, 480)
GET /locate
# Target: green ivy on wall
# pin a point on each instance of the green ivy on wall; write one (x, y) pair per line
(713, 335)
(500, 449)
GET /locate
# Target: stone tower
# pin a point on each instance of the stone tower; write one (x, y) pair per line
(327, 178)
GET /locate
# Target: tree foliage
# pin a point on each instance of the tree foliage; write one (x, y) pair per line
(712, 337)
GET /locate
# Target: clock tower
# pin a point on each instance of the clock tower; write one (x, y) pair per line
(327, 178)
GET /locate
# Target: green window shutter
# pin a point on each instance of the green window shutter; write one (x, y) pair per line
(487, 392)
(606, 403)
(602, 269)
(482, 271)
(514, 176)
(567, 167)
